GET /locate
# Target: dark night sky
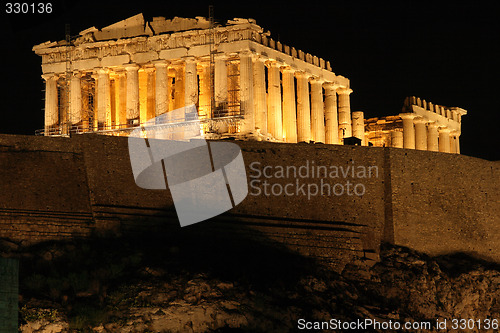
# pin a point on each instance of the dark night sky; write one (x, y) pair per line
(446, 53)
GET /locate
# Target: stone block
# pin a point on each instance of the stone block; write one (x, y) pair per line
(279, 46)
(272, 43)
(57, 67)
(87, 64)
(173, 54)
(144, 57)
(115, 60)
(328, 66)
(301, 55)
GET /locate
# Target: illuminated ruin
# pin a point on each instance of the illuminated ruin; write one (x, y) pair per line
(244, 84)
(421, 125)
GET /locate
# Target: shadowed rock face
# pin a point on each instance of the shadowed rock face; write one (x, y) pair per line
(129, 285)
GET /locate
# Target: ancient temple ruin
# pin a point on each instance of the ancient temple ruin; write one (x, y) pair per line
(421, 125)
(242, 82)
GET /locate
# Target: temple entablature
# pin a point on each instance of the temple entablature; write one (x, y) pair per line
(450, 117)
(137, 41)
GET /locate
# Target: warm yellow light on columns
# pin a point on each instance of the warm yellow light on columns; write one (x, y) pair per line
(132, 102)
(344, 107)
(190, 82)
(317, 111)
(358, 125)
(289, 106)
(103, 98)
(143, 95)
(420, 133)
(432, 137)
(331, 114)
(408, 130)
(51, 101)
(303, 108)
(246, 92)
(453, 142)
(457, 142)
(205, 89)
(260, 95)
(179, 86)
(396, 139)
(444, 139)
(161, 88)
(220, 86)
(150, 113)
(75, 114)
(274, 117)
(120, 99)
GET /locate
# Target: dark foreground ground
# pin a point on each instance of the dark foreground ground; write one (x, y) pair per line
(187, 283)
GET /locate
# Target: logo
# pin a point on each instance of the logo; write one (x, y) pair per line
(205, 178)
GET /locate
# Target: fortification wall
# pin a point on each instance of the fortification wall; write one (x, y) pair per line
(55, 188)
(444, 203)
(44, 192)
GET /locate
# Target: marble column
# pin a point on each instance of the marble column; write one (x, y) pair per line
(260, 95)
(120, 99)
(220, 82)
(132, 102)
(397, 139)
(453, 142)
(204, 98)
(444, 139)
(331, 117)
(289, 106)
(205, 91)
(317, 111)
(358, 125)
(432, 137)
(76, 99)
(190, 82)
(51, 102)
(103, 98)
(408, 130)
(179, 86)
(303, 108)
(274, 117)
(457, 142)
(246, 92)
(420, 133)
(143, 95)
(345, 126)
(151, 87)
(161, 85)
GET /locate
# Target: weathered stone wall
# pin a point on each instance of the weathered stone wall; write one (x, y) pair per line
(44, 192)
(55, 188)
(445, 203)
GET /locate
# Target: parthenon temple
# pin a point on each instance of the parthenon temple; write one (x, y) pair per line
(242, 82)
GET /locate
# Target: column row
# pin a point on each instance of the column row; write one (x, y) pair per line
(297, 107)
(124, 96)
(291, 105)
(421, 134)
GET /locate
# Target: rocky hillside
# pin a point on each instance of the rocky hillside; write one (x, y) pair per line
(186, 283)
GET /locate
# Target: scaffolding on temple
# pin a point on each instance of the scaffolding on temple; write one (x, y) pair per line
(214, 117)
